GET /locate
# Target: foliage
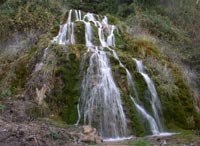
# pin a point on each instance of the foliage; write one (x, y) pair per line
(174, 23)
(20, 15)
(6, 93)
(67, 91)
(2, 107)
(141, 142)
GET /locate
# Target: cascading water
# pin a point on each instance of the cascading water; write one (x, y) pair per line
(66, 32)
(100, 98)
(111, 42)
(153, 126)
(152, 123)
(78, 15)
(39, 65)
(100, 102)
(155, 102)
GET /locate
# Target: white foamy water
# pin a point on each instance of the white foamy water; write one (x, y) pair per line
(154, 100)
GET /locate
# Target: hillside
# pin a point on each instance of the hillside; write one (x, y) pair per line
(126, 68)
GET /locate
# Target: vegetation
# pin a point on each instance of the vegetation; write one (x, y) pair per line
(162, 33)
(141, 142)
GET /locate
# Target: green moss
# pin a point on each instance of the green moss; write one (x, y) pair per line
(119, 41)
(79, 32)
(141, 142)
(73, 16)
(95, 37)
(65, 17)
(111, 20)
(19, 80)
(132, 114)
(142, 91)
(54, 31)
(43, 42)
(120, 77)
(67, 97)
(177, 101)
(2, 107)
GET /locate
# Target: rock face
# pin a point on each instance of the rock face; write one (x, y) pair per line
(90, 135)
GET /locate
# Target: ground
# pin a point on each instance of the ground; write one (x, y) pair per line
(17, 128)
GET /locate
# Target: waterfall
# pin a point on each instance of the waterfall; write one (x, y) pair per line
(39, 65)
(88, 34)
(155, 102)
(100, 100)
(133, 92)
(153, 126)
(111, 42)
(111, 38)
(66, 32)
(78, 15)
(141, 110)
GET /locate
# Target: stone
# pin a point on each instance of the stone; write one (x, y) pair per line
(90, 135)
(87, 129)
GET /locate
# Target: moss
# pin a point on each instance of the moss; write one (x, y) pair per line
(81, 47)
(120, 77)
(135, 123)
(79, 32)
(97, 17)
(176, 99)
(43, 41)
(142, 91)
(20, 72)
(119, 41)
(177, 104)
(65, 17)
(67, 97)
(111, 20)
(95, 37)
(73, 16)
(54, 31)
(6, 92)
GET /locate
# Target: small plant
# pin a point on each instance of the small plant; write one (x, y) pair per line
(141, 142)
(2, 107)
(7, 92)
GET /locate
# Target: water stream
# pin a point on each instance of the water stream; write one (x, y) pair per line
(154, 100)
(100, 102)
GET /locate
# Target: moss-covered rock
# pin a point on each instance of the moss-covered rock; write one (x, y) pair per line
(79, 32)
(67, 97)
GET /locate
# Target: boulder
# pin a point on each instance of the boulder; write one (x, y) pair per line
(90, 135)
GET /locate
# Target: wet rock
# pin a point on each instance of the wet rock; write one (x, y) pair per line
(88, 129)
(90, 135)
